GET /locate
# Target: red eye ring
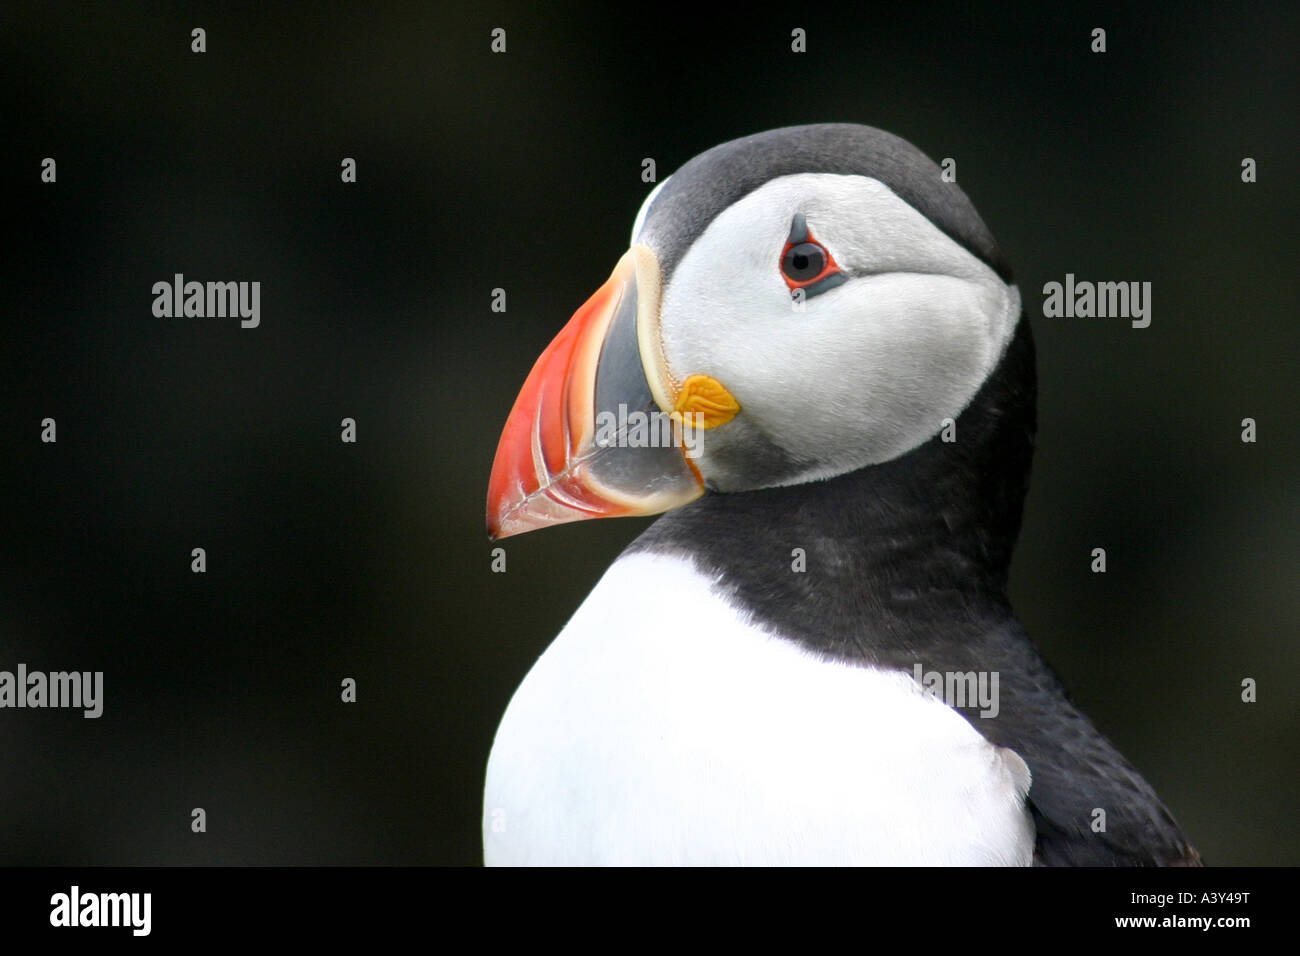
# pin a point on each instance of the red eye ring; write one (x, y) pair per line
(804, 261)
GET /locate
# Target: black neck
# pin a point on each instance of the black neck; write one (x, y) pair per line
(889, 548)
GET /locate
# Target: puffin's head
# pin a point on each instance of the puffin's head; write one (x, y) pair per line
(796, 305)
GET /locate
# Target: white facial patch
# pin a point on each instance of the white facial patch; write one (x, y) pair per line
(861, 373)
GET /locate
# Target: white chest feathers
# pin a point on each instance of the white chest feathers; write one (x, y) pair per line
(660, 728)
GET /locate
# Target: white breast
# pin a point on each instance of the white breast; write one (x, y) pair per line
(661, 728)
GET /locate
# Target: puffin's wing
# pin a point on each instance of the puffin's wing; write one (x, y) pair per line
(1090, 806)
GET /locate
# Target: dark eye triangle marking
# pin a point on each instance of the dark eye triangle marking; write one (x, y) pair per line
(798, 230)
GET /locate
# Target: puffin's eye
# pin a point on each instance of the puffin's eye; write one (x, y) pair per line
(806, 264)
(803, 262)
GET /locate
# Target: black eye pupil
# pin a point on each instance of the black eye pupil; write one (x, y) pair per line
(803, 262)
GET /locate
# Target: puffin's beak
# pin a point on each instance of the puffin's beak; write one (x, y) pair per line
(597, 430)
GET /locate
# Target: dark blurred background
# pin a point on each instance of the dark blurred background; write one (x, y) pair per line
(522, 171)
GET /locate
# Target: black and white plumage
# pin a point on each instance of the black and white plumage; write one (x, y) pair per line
(707, 703)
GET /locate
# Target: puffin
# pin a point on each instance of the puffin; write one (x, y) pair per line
(814, 364)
